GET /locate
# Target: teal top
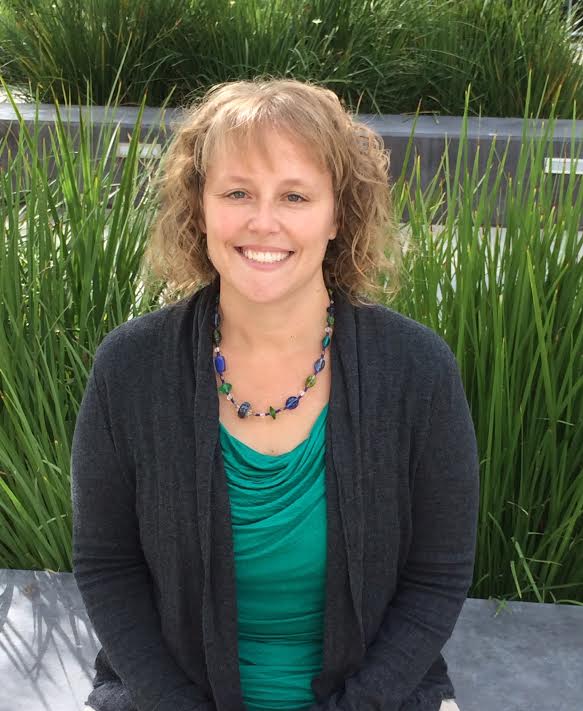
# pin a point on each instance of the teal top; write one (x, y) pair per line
(278, 510)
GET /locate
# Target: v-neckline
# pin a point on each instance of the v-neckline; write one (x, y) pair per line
(282, 454)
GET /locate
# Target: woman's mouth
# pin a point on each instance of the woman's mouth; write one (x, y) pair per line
(264, 259)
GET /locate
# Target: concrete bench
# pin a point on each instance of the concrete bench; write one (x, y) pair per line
(502, 657)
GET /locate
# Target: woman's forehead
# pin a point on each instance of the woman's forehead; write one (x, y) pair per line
(266, 145)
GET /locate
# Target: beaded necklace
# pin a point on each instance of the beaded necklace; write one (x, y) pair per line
(244, 409)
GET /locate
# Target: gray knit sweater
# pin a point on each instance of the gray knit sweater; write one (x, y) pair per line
(152, 545)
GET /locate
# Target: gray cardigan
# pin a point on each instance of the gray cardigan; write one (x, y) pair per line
(152, 545)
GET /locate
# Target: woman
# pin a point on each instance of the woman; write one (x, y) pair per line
(274, 479)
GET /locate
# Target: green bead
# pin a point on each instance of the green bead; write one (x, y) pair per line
(330, 320)
(216, 337)
(326, 341)
(310, 381)
(225, 388)
(272, 412)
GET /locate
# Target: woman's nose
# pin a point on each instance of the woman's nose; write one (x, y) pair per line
(264, 217)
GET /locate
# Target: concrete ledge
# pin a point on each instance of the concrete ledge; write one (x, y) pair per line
(433, 135)
(428, 126)
(527, 656)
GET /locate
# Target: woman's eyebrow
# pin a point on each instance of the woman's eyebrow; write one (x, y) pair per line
(247, 179)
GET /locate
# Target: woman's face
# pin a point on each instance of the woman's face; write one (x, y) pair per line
(259, 206)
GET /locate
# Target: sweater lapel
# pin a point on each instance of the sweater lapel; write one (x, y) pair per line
(219, 604)
(344, 640)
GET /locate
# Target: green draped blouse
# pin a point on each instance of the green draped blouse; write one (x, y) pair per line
(278, 509)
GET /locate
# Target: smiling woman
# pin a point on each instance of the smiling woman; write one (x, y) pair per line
(257, 215)
(296, 158)
(264, 471)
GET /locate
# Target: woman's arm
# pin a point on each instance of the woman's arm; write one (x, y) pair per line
(435, 579)
(111, 572)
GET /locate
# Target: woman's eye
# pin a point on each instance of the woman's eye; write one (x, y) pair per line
(236, 193)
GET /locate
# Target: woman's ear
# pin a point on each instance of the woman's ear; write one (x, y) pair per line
(335, 221)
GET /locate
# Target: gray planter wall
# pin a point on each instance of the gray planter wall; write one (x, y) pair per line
(432, 135)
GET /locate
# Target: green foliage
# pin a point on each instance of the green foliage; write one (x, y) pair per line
(509, 301)
(70, 249)
(59, 48)
(494, 45)
(386, 56)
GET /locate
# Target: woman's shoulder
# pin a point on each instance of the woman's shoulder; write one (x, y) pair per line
(147, 341)
(131, 337)
(396, 338)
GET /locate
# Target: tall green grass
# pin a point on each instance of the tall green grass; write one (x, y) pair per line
(385, 56)
(494, 45)
(509, 302)
(72, 237)
(73, 51)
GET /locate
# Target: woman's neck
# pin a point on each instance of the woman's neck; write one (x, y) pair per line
(273, 329)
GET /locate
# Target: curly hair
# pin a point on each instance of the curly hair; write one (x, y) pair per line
(367, 248)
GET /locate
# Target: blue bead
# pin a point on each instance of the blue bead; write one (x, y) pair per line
(244, 408)
(220, 364)
(292, 402)
(216, 319)
(319, 365)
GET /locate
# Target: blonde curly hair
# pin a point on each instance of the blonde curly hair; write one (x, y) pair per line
(367, 248)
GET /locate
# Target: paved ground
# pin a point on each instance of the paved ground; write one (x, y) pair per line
(526, 657)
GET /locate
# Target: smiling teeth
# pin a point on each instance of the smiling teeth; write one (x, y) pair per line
(265, 256)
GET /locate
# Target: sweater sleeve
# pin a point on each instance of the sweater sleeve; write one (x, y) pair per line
(438, 571)
(112, 574)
